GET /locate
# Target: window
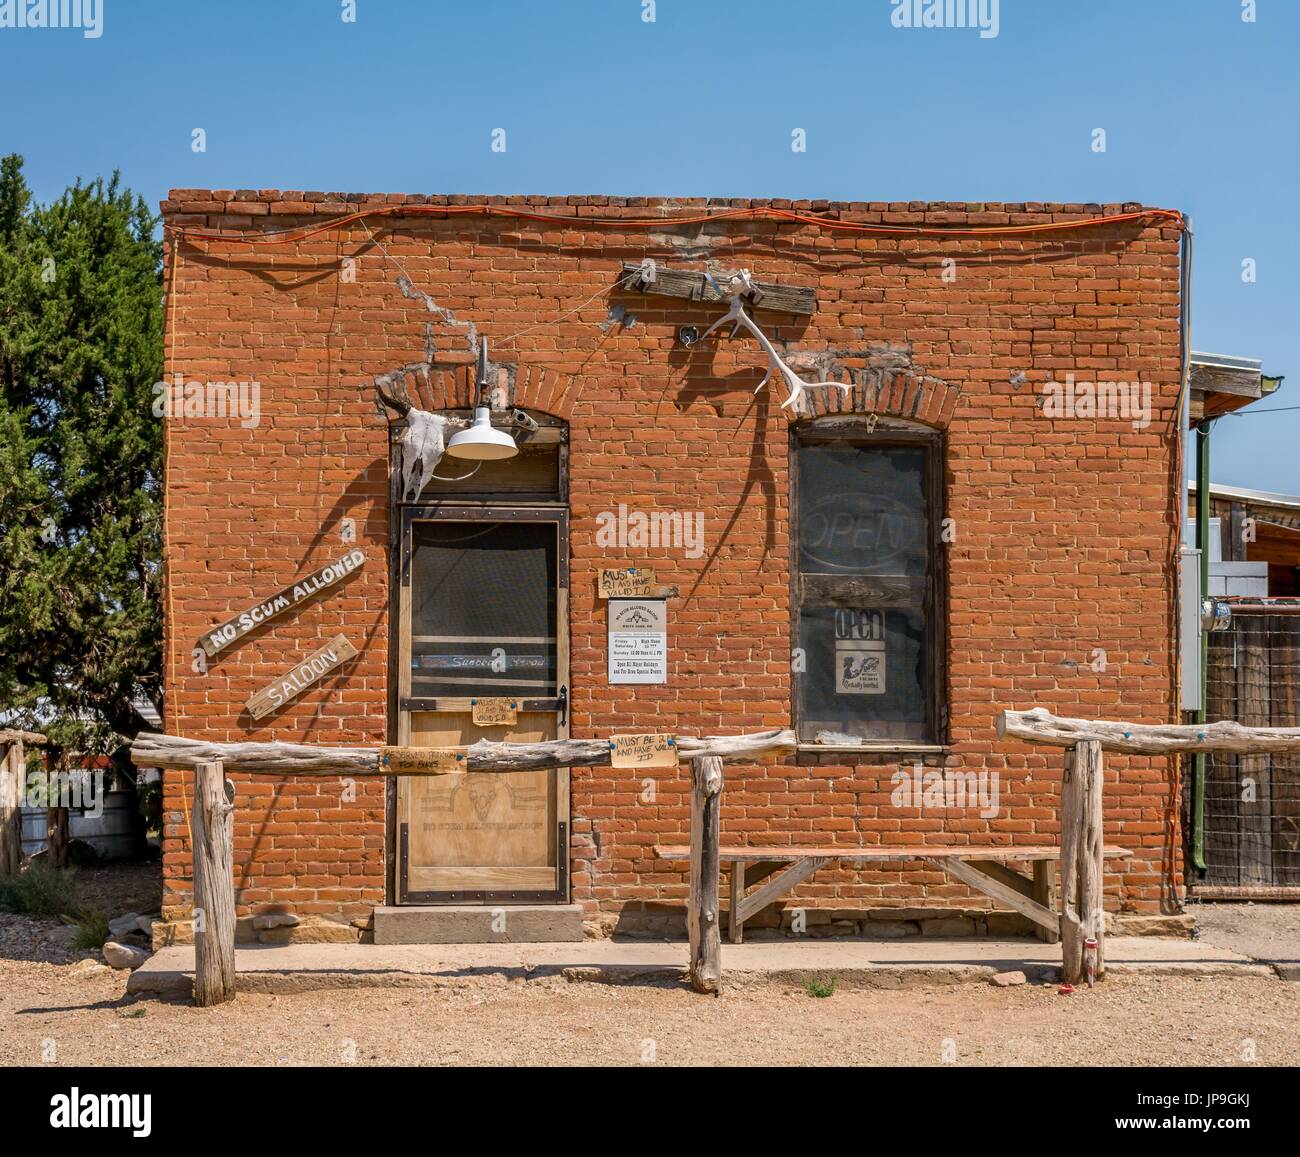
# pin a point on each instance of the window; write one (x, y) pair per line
(867, 585)
(538, 473)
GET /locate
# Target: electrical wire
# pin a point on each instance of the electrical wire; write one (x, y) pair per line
(459, 477)
(758, 213)
(1252, 413)
(505, 343)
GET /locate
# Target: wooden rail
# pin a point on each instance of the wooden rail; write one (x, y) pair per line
(213, 821)
(271, 758)
(1081, 798)
(1081, 855)
(1042, 727)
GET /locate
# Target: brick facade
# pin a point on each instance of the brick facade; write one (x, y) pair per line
(1065, 528)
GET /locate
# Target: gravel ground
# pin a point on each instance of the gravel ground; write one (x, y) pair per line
(493, 1021)
(59, 1002)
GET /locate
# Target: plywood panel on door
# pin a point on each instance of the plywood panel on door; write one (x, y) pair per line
(480, 832)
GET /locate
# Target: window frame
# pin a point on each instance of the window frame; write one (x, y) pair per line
(873, 431)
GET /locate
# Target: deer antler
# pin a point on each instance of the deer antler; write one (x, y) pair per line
(738, 286)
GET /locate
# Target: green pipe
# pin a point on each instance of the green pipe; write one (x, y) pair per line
(1202, 709)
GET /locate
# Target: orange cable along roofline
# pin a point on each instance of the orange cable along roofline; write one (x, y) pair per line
(761, 213)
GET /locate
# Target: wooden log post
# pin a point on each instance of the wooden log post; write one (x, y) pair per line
(1092, 863)
(213, 826)
(12, 770)
(57, 835)
(702, 913)
(1081, 859)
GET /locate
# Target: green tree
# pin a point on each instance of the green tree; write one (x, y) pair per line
(81, 339)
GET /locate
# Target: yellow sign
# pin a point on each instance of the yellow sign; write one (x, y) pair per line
(628, 582)
(642, 751)
(494, 711)
(429, 760)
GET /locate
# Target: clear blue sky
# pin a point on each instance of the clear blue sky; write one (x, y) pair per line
(1199, 108)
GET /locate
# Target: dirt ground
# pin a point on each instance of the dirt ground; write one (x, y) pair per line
(491, 1021)
(58, 1005)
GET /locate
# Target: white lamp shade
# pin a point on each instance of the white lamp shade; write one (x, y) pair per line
(481, 443)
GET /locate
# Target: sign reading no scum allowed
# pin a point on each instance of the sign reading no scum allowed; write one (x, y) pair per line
(221, 637)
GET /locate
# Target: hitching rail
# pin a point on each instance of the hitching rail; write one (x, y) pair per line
(213, 821)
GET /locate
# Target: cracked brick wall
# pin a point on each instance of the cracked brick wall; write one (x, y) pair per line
(1065, 529)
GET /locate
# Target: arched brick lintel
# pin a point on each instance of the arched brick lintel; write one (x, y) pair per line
(895, 394)
(527, 386)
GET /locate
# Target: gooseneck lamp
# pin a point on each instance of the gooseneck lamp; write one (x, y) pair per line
(480, 442)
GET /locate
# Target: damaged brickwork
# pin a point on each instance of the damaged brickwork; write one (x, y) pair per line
(1064, 532)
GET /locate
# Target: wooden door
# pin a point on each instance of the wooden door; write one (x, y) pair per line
(484, 612)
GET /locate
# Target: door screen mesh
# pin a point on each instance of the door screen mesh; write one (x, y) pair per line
(483, 610)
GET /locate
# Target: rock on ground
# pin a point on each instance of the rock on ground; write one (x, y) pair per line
(123, 955)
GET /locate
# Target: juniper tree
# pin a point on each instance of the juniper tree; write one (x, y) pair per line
(81, 324)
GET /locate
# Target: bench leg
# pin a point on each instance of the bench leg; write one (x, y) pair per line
(1044, 893)
(967, 873)
(735, 925)
(777, 887)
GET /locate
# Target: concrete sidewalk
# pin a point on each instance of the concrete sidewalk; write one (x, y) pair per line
(879, 964)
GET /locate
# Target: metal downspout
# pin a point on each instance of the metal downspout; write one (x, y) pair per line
(1203, 544)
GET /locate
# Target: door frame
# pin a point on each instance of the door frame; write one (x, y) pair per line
(401, 702)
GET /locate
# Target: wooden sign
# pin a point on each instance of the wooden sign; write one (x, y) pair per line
(294, 682)
(221, 637)
(429, 760)
(494, 711)
(629, 582)
(642, 751)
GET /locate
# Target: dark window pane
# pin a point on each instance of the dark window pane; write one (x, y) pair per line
(483, 611)
(865, 673)
(534, 470)
(862, 509)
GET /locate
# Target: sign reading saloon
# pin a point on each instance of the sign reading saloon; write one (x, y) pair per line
(221, 637)
(294, 682)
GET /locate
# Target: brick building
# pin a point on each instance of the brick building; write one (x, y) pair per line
(884, 568)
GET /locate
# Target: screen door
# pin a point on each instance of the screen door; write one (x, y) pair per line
(484, 613)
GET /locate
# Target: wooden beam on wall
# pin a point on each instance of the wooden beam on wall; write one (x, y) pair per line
(694, 285)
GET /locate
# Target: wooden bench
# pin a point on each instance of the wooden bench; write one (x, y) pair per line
(984, 869)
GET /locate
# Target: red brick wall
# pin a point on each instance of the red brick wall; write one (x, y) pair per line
(1065, 530)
